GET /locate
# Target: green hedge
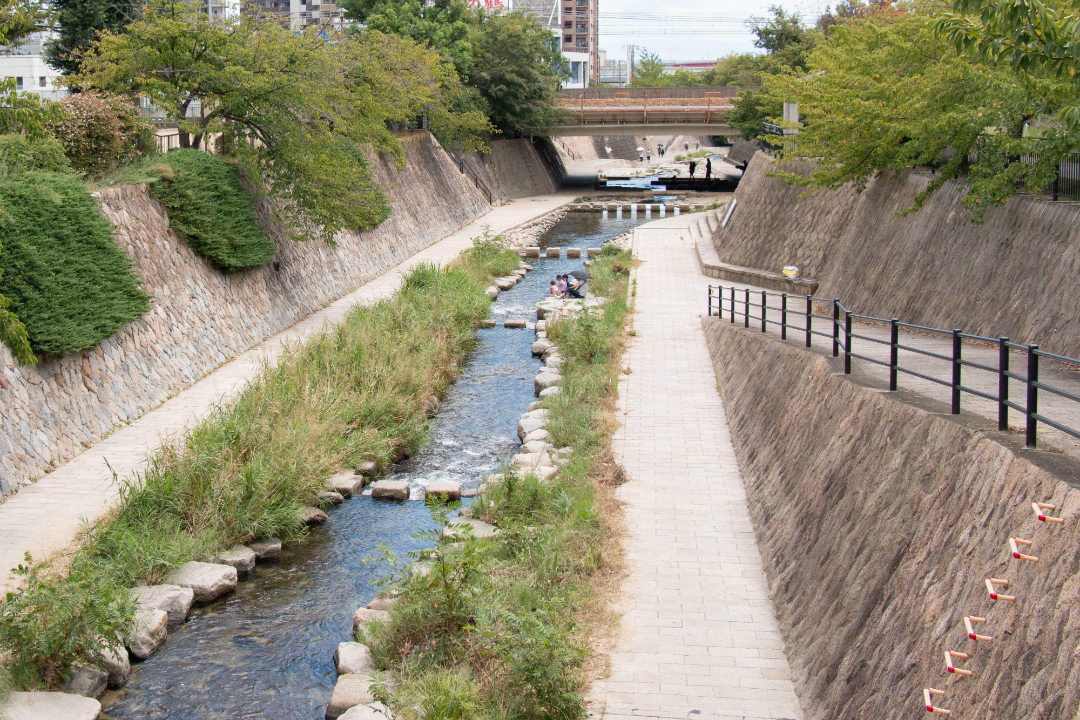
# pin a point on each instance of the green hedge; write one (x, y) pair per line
(20, 154)
(68, 281)
(210, 209)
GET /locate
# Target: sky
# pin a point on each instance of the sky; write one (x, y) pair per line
(688, 30)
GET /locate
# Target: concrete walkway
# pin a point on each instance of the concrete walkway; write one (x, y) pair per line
(44, 517)
(699, 638)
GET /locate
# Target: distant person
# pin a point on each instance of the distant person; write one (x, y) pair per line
(708, 168)
(574, 290)
(641, 156)
(659, 149)
(648, 155)
(693, 167)
(697, 144)
(686, 144)
(607, 149)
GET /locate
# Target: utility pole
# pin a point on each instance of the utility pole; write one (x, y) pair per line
(630, 63)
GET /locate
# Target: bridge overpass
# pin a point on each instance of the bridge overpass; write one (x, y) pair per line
(646, 111)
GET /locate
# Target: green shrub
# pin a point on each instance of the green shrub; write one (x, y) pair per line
(53, 621)
(68, 281)
(19, 154)
(98, 131)
(210, 209)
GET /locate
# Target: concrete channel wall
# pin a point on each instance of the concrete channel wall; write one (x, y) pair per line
(1015, 275)
(201, 317)
(878, 524)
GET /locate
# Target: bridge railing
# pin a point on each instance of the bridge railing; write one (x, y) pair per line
(695, 92)
(836, 326)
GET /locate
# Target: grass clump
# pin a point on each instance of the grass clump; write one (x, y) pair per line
(210, 209)
(67, 280)
(500, 625)
(19, 154)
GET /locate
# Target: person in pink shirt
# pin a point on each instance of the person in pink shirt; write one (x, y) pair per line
(562, 285)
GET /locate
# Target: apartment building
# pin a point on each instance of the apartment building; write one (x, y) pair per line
(24, 63)
(580, 38)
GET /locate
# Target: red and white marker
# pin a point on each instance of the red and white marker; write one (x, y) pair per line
(1038, 507)
(929, 701)
(1014, 542)
(949, 655)
(994, 594)
(968, 619)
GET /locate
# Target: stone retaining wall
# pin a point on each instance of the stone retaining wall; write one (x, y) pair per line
(1014, 275)
(878, 524)
(200, 317)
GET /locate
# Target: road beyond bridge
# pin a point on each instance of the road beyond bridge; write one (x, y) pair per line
(646, 111)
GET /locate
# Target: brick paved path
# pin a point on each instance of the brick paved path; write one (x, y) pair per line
(699, 639)
(44, 517)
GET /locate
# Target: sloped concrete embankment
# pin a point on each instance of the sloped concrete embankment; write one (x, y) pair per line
(201, 317)
(1014, 275)
(878, 524)
(513, 169)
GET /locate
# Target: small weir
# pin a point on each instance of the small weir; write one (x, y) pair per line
(266, 651)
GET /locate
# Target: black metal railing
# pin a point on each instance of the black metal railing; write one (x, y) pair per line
(480, 185)
(836, 327)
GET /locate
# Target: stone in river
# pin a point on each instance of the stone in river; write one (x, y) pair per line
(540, 434)
(492, 292)
(353, 658)
(469, 492)
(50, 706)
(173, 599)
(370, 711)
(487, 323)
(148, 631)
(368, 468)
(504, 283)
(451, 490)
(528, 425)
(329, 498)
(266, 549)
(541, 345)
(534, 446)
(480, 529)
(380, 602)
(363, 615)
(347, 483)
(117, 665)
(573, 253)
(240, 557)
(391, 490)
(514, 324)
(548, 392)
(351, 690)
(311, 516)
(86, 680)
(545, 380)
(208, 581)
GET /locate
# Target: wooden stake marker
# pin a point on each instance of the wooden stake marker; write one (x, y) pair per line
(949, 655)
(1038, 507)
(994, 595)
(1013, 542)
(968, 619)
(929, 701)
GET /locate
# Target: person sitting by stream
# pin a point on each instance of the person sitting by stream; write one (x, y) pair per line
(574, 290)
(553, 291)
(562, 285)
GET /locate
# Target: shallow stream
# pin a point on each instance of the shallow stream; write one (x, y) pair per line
(266, 651)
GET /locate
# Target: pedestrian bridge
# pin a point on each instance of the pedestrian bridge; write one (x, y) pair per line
(646, 111)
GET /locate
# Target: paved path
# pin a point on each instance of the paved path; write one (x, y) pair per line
(44, 517)
(699, 638)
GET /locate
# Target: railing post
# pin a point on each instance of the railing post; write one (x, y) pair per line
(894, 353)
(764, 302)
(847, 343)
(1032, 394)
(783, 316)
(1003, 384)
(732, 304)
(836, 327)
(746, 309)
(809, 316)
(708, 311)
(956, 345)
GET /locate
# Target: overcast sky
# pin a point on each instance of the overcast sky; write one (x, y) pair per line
(687, 30)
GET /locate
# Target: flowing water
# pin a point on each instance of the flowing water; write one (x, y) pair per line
(266, 651)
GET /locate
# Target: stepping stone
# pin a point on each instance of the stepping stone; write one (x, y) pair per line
(595, 252)
(469, 492)
(573, 253)
(451, 490)
(363, 615)
(347, 483)
(351, 690)
(532, 252)
(266, 549)
(526, 267)
(390, 490)
(240, 557)
(487, 324)
(504, 283)
(311, 516)
(548, 392)
(492, 292)
(208, 581)
(368, 468)
(149, 630)
(371, 711)
(173, 599)
(545, 380)
(520, 272)
(541, 345)
(329, 498)
(117, 665)
(554, 252)
(514, 324)
(480, 529)
(353, 658)
(50, 706)
(86, 680)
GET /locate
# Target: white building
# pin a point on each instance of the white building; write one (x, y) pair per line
(24, 63)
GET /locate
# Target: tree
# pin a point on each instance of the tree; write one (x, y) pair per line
(886, 93)
(441, 24)
(739, 70)
(298, 110)
(19, 18)
(517, 68)
(648, 70)
(78, 23)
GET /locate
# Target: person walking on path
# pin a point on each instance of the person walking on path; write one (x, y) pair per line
(708, 168)
(693, 167)
(659, 149)
(686, 144)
